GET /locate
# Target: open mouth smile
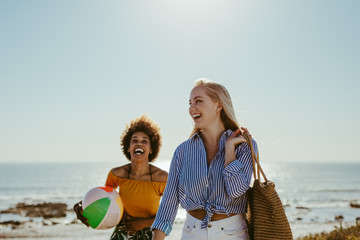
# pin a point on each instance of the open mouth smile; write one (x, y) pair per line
(196, 116)
(139, 151)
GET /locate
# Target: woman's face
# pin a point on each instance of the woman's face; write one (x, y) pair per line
(140, 146)
(203, 110)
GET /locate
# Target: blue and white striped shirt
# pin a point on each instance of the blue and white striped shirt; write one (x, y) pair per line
(217, 189)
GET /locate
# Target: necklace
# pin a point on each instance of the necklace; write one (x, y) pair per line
(137, 177)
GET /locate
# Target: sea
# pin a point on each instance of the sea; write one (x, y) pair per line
(314, 194)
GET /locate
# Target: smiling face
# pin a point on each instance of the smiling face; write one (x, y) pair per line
(203, 110)
(139, 146)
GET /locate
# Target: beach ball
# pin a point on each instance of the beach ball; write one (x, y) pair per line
(103, 208)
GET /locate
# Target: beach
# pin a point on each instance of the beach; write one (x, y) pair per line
(65, 231)
(58, 221)
(316, 198)
(52, 227)
(63, 228)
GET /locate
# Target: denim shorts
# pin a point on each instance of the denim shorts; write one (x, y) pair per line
(232, 228)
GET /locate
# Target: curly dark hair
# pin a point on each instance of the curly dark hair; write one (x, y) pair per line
(149, 127)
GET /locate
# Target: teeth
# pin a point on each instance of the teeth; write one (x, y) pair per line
(139, 151)
(196, 115)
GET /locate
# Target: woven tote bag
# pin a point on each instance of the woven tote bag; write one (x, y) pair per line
(265, 213)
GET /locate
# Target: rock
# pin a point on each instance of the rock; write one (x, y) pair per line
(354, 204)
(47, 222)
(75, 221)
(45, 210)
(339, 217)
(304, 208)
(12, 223)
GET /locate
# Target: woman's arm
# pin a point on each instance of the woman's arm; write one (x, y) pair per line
(166, 213)
(158, 235)
(235, 139)
(238, 166)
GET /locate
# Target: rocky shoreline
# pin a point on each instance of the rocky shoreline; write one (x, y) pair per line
(45, 210)
(38, 214)
(54, 221)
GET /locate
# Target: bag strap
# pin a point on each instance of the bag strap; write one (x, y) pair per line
(255, 159)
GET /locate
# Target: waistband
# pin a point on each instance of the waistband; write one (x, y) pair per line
(200, 214)
(238, 218)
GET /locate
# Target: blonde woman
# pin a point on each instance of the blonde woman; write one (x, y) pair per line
(210, 172)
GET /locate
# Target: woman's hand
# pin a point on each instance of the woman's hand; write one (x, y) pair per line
(158, 235)
(235, 139)
(230, 144)
(246, 131)
(79, 213)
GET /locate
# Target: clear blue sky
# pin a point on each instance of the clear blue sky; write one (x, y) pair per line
(73, 73)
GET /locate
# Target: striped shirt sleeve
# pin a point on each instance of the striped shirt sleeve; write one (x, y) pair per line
(168, 208)
(238, 173)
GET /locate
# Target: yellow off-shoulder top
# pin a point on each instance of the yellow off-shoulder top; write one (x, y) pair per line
(140, 198)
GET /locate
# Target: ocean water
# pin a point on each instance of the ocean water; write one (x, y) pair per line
(313, 193)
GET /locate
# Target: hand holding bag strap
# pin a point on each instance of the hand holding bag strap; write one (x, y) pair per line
(255, 160)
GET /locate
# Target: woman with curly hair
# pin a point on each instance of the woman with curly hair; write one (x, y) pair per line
(141, 184)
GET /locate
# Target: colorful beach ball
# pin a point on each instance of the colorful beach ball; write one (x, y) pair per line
(103, 208)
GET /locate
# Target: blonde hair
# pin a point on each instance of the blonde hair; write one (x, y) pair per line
(218, 93)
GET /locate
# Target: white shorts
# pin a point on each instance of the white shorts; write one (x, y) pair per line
(232, 228)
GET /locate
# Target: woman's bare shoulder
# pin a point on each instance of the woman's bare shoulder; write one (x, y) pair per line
(158, 175)
(121, 171)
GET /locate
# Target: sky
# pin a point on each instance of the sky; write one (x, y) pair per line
(74, 73)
